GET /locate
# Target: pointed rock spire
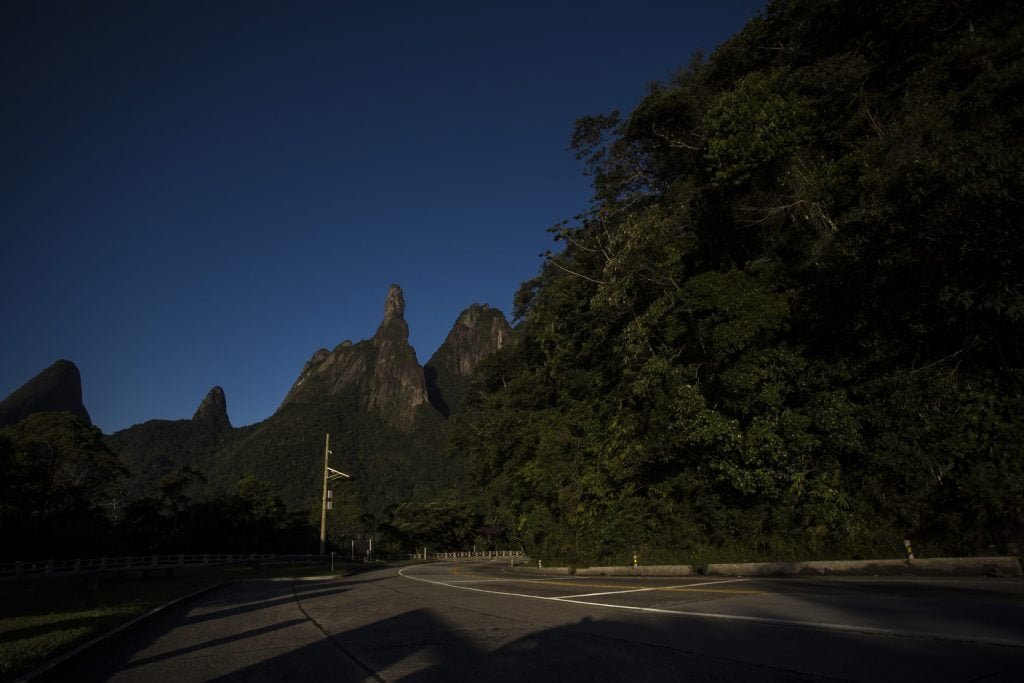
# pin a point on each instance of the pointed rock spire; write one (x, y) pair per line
(213, 411)
(58, 388)
(394, 304)
(398, 386)
(393, 326)
(383, 371)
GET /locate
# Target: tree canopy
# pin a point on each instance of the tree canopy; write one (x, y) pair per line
(789, 323)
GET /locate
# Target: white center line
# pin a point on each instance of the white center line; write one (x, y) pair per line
(654, 588)
(851, 628)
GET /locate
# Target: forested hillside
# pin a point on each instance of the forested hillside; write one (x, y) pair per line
(790, 323)
(371, 396)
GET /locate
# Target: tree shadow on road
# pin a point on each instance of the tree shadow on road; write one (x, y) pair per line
(419, 645)
(529, 641)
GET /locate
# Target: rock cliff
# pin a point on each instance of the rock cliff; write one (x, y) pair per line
(478, 332)
(382, 371)
(213, 411)
(398, 386)
(58, 388)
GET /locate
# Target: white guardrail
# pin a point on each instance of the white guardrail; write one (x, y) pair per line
(23, 569)
(475, 554)
(30, 568)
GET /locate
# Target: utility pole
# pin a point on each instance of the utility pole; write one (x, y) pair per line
(330, 474)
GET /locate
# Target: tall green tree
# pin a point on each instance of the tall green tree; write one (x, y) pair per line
(60, 488)
(789, 323)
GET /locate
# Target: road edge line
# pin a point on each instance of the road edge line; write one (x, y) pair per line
(61, 660)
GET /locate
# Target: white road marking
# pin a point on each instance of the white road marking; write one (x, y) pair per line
(849, 628)
(654, 588)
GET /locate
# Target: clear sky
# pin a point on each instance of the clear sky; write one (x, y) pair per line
(203, 193)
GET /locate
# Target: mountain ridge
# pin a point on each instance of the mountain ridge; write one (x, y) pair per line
(383, 410)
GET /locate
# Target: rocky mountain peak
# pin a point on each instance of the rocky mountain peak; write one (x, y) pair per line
(58, 388)
(471, 315)
(398, 385)
(478, 332)
(213, 411)
(383, 371)
(393, 327)
(394, 304)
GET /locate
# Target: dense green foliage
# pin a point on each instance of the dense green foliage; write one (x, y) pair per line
(64, 493)
(159, 447)
(59, 487)
(789, 324)
(259, 487)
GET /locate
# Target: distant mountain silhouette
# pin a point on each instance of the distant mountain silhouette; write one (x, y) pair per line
(385, 413)
(56, 389)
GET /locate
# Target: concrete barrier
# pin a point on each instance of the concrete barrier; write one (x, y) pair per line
(652, 570)
(556, 571)
(941, 566)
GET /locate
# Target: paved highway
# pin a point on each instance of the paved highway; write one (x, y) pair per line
(475, 621)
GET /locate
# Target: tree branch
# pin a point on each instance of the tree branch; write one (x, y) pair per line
(572, 272)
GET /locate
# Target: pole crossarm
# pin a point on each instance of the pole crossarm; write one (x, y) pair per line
(333, 474)
(330, 474)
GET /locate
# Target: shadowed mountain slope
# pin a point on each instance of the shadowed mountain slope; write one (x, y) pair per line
(56, 389)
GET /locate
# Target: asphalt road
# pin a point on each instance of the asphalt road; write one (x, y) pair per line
(462, 621)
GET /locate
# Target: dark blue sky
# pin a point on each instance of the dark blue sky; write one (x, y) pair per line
(201, 193)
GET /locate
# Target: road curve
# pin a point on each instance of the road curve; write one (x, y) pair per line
(476, 621)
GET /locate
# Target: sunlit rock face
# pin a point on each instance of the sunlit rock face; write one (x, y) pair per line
(478, 332)
(382, 371)
(56, 389)
(398, 386)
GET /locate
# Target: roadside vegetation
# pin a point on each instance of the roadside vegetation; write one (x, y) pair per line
(789, 325)
(44, 618)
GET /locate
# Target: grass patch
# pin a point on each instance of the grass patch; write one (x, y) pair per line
(43, 618)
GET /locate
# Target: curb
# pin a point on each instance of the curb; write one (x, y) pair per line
(63, 659)
(650, 570)
(549, 571)
(940, 566)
